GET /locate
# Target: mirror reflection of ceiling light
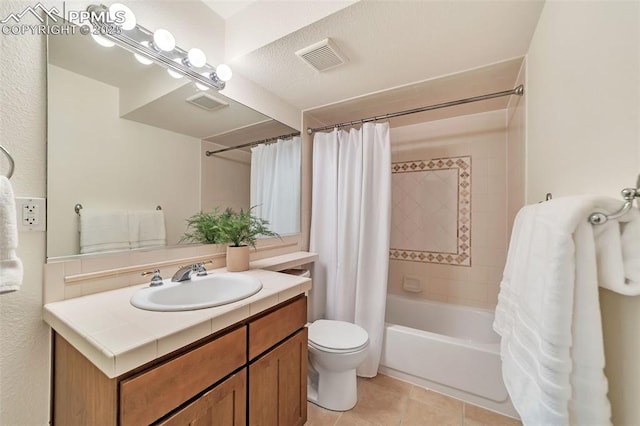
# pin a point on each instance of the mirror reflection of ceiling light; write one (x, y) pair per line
(173, 73)
(164, 40)
(195, 58)
(101, 40)
(157, 46)
(223, 71)
(142, 59)
(119, 12)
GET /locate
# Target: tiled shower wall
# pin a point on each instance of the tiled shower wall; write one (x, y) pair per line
(483, 138)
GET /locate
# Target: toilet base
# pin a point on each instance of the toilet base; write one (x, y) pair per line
(336, 390)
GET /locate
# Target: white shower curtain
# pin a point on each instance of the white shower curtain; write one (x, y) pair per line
(275, 184)
(350, 220)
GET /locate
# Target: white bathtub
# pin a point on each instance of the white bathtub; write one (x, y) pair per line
(448, 348)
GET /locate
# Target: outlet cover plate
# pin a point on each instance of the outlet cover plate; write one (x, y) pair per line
(31, 214)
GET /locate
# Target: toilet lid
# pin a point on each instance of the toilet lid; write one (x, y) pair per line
(337, 335)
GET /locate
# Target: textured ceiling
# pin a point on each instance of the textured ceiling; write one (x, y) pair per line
(393, 43)
(480, 81)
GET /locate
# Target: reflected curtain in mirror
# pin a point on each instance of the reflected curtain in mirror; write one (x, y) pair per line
(275, 184)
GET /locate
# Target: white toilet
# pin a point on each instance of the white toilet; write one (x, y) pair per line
(336, 349)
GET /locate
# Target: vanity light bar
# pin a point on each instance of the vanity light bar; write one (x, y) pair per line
(132, 41)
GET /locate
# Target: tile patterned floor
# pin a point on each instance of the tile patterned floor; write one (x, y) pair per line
(384, 401)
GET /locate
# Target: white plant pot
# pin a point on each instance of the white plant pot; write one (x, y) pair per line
(237, 258)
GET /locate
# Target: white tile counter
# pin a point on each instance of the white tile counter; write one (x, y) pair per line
(118, 337)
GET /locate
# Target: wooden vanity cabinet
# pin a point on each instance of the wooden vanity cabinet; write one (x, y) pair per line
(255, 373)
(224, 405)
(278, 367)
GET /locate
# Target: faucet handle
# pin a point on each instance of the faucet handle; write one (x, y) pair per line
(156, 280)
(199, 268)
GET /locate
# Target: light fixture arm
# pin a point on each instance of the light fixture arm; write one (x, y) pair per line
(132, 41)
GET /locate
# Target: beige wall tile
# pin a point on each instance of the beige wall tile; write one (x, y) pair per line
(72, 267)
(103, 284)
(53, 282)
(72, 290)
(484, 137)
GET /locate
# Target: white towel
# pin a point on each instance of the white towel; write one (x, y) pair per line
(548, 314)
(102, 230)
(618, 254)
(631, 251)
(147, 228)
(10, 264)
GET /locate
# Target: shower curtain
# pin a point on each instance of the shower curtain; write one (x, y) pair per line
(350, 220)
(275, 184)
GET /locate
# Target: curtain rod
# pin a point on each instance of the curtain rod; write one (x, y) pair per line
(252, 144)
(517, 91)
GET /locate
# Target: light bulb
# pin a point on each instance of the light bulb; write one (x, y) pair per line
(174, 74)
(202, 87)
(101, 40)
(143, 59)
(224, 72)
(123, 16)
(164, 40)
(196, 58)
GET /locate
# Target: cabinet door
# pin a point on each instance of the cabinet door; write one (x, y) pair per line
(278, 384)
(152, 394)
(224, 405)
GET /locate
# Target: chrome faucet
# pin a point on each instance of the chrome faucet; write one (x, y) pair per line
(184, 273)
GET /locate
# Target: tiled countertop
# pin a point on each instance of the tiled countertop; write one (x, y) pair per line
(118, 337)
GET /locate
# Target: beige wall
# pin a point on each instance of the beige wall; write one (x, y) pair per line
(583, 136)
(516, 151)
(226, 179)
(483, 137)
(111, 162)
(24, 337)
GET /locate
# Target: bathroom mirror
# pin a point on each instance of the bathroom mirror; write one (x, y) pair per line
(125, 136)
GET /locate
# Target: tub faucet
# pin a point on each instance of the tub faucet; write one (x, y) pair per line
(184, 273)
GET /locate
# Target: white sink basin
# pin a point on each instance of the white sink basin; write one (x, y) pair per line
(197, 293)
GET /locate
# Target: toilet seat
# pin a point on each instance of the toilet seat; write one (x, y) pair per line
(337, 336)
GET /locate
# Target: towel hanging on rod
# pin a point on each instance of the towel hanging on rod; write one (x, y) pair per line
(12, 163)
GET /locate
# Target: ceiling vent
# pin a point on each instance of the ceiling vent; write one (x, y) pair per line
(206, 101)
(322, 56)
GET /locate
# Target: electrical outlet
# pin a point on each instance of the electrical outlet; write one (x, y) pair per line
(31, 214)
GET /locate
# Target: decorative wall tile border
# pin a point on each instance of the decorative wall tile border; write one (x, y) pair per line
(463, 255)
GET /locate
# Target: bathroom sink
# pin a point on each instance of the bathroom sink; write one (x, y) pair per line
(197, 293)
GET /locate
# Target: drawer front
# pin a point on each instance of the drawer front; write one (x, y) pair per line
(152, 394)
(223, 405)
(272, 328)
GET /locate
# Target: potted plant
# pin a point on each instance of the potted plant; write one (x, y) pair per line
(203, 227)
(238, 229)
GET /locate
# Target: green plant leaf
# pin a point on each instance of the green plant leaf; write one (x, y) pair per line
(229, 227)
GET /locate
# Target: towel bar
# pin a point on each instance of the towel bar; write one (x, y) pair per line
(78, 207)
(12, 164)
(629, 194)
